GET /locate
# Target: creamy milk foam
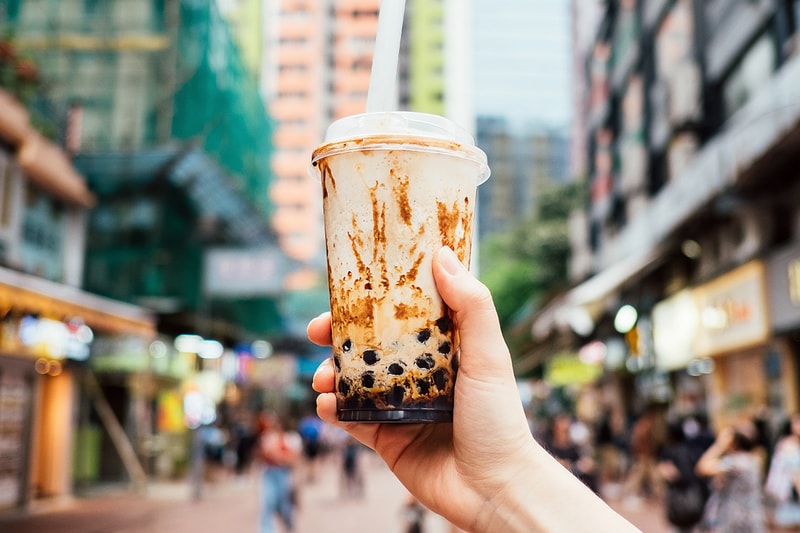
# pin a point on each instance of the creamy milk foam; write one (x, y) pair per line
(390, 202)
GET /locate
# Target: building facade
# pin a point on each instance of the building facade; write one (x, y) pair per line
(523, 162)
(692, 142)
(47, 322)
(159, 201)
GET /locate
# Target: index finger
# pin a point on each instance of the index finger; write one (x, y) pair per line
(319, 330)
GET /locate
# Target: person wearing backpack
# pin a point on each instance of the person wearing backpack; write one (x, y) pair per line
(686, 492)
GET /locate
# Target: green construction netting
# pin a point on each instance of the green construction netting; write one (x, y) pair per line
(218, 104)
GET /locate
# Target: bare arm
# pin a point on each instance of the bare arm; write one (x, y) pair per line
(709, 463)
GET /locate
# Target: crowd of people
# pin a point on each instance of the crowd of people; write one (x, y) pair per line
(285, 453)
(743, 479)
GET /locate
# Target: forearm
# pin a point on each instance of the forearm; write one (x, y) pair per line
(546, 498)
(708, 464)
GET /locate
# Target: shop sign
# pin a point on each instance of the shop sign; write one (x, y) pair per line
(732, 311)
(127, 353)
(568, 369)
(243, 272)
(277, 371)
(44, 337)
(783, 275)
(675, 326)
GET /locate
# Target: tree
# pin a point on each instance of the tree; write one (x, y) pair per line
(523, 266)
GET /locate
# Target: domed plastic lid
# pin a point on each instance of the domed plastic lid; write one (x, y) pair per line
(397, 123)
(386, 130)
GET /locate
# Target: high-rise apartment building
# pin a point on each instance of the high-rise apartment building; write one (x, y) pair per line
(316, 69)
(523, 162)
(422, 82)
(294, 84)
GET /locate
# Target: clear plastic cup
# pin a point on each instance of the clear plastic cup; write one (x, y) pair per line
(396, 186)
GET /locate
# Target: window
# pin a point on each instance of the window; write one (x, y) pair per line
(43, 229)
(795, 18)
(754, 69)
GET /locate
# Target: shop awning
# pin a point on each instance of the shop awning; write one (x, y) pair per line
(588, 299)
(48, 166)
(28, 294)
(609, 280)
(44, 163)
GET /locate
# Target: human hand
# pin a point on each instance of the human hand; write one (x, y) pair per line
(725, 438)
(483, 472)
(481, 452)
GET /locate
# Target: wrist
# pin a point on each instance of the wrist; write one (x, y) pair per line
(509, 508)
(542, 496)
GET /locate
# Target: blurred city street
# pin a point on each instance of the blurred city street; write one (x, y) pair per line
(231, 504)
(228, 504)
(170, 225)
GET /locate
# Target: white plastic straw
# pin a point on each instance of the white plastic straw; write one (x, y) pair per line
(383, 77)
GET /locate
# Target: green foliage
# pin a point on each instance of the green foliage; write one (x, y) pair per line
(530, 261)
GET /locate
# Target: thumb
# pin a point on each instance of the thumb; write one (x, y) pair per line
(484, 353)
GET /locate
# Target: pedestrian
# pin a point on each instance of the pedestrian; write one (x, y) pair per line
(484, 472)
(783, 478)
(246, 440)
(352, 475)
(279, 450)
(646, 439)
(310, 429)
(609, 441)
(686, 492)
(413, 516)
(560, 443)
(735, 504)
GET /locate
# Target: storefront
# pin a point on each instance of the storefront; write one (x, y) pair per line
(675, 327)
(46, 330)
(733, 333)
(783, 287)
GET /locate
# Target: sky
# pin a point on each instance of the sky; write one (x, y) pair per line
(522, 54)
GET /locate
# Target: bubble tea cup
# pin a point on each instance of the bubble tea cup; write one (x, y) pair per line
(396, 187)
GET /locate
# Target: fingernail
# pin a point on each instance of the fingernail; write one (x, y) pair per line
(450, 262)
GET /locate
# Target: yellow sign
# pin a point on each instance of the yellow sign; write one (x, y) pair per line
(568, 369)
(732, 311)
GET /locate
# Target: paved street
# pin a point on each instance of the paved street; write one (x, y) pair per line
(231, 505)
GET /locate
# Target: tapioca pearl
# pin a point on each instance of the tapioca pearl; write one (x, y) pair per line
(337, 362)
(370, 357)
(444, 348)
(440, 378)
(396, 369)
(423, 335)
(368, 380)
(454, 363)
(347, 345)
(423, 386)
(344, 387)
(444, 324)
(425, 361)
(395, 395)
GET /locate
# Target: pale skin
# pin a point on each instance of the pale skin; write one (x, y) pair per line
(484, 472)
